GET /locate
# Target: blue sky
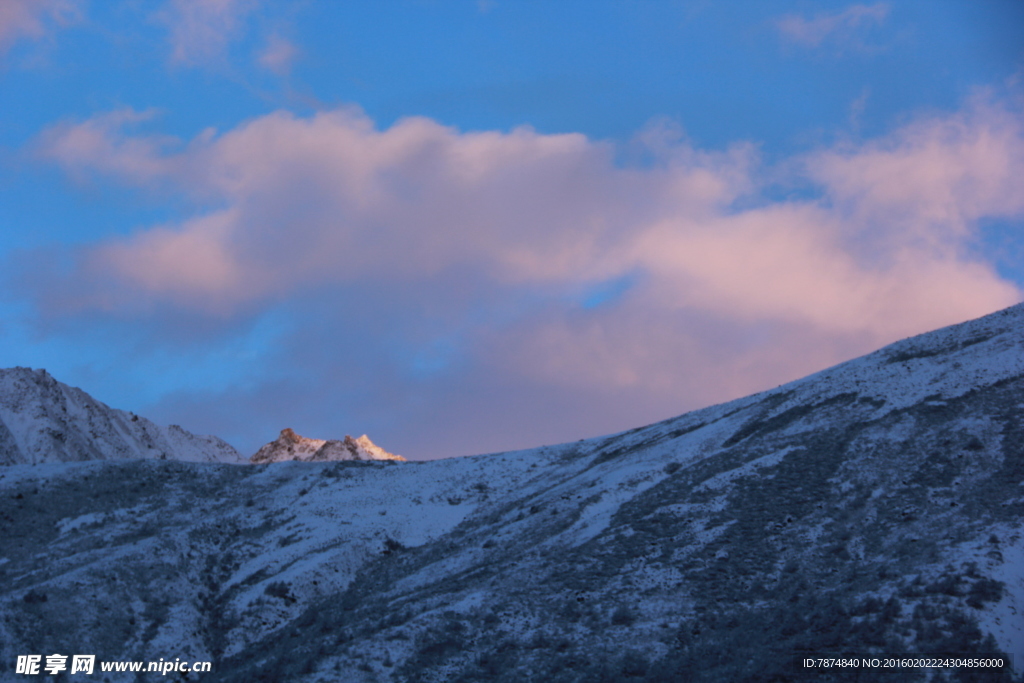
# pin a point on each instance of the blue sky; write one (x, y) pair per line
(464, 227)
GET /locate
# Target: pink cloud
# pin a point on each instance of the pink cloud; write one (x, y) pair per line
(101, 145)
(489, 239)
(201, 30)
(278, 55)
(555, 210)
(32, 18)
(192, 261)
(837, 26)
(934, 177)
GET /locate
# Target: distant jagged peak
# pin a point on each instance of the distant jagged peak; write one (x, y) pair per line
(291, 446)
(369, 450)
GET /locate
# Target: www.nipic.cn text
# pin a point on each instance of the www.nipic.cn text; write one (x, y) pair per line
(33, 665)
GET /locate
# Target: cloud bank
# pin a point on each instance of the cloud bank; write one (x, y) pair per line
(468, 291)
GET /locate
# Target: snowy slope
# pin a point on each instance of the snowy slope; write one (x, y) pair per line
(43, 420)
(873, 508)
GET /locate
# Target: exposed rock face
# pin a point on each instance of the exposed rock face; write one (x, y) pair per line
(43, 420)
(290, 446)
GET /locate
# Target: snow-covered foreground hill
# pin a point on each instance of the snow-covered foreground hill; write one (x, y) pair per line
(43, 420)
(873, 508)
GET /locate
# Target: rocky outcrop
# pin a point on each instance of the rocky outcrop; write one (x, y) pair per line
(291, 446)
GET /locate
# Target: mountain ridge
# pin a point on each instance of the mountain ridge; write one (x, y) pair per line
(55, 422)
(43, 420)
(876, 507)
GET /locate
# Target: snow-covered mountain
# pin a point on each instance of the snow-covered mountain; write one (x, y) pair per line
(290, 446)
(43, 420)
(875, 508)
